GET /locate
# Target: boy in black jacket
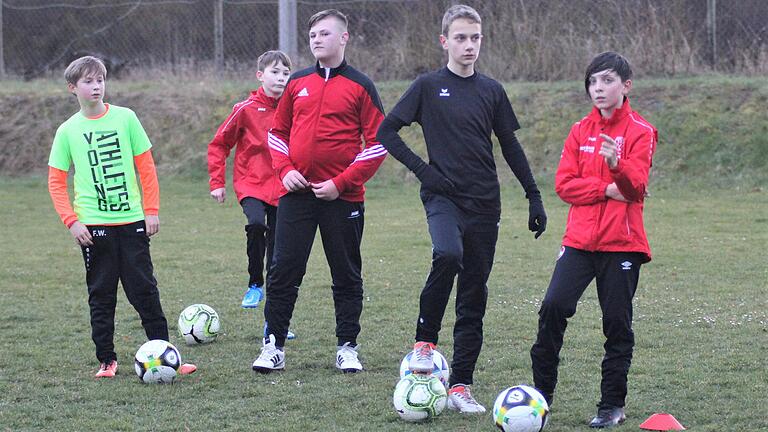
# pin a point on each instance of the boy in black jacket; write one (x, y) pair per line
(458, 109)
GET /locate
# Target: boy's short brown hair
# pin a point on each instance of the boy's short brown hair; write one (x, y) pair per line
(325, 14)
(459, 11)
(84, 66)
(270, 57)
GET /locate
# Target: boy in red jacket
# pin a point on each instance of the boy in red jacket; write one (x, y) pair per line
(603, 175)
(324, 149)
(255, 184)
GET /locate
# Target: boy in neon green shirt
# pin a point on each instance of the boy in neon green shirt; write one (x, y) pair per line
(107, 145)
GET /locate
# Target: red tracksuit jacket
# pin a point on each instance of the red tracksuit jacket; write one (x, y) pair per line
(325, 127)
(596, 223)
(246, 128)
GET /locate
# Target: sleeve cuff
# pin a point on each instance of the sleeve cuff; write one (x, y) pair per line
(341, 184)
(70, 221)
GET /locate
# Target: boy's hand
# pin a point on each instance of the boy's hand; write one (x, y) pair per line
(537, 217)
(612, 192)
(219, 194)
(294, 181)
(153, 224)
(436, 182)
(326, 190)
(81, 234)
(608, 151)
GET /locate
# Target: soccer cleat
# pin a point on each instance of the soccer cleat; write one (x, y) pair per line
(460, 399)
(252, 297)
(346, 359)
(608, 416)
(271, 358)
(187, 369)
(421, 359)
(107, 370)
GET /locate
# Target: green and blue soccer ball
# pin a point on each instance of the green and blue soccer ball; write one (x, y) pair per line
(199, 324)
(419, 397)
(520, 409)
(156, 362)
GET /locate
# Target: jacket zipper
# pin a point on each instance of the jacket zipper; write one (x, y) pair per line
(317, 117)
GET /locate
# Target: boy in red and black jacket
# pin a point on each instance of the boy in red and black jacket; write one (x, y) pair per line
(324, 148)
(254, 181)
(603, 175)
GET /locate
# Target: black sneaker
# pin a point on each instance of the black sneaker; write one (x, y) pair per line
(608, 416)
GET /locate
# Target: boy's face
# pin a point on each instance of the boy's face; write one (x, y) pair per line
(463, 42)
(327, 39)
(89, 89)
(273, 78)
(607, 90)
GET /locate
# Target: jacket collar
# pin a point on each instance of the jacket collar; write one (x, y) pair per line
(334, 71)
(261, 97)
(617, 116)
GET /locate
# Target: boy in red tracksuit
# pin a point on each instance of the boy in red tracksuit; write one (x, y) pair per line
(603, 175)
(324, 148)
(255, 184)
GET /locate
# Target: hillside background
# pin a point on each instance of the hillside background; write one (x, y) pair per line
(713, 130)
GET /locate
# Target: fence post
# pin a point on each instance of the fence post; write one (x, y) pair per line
(2, 59)
(712, 31)
(287, 32)
(218, 34)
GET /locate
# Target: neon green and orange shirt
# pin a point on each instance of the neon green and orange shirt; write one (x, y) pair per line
(102, 151)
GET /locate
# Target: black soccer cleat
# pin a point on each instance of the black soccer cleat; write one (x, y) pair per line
(608, 416)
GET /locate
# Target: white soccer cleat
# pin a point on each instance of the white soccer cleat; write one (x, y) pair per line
(421, 359)
(271, 358)
(460, 399)
(346, 359)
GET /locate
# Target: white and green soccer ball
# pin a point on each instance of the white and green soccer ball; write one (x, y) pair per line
(419, 397)
(156, 362)
(198, 324)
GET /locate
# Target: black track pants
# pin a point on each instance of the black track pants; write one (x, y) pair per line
(121, 253)
(260, 237)
(463, 244)
(617, 274)
(299, 215)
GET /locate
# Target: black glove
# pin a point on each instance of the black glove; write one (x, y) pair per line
(537, 217)
(435, 182)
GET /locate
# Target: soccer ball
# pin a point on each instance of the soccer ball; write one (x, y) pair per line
(156, 362)
(419, 397)
(440, 369)
(520, 409)
(198, 324)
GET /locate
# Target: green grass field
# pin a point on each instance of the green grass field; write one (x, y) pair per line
(701, 320)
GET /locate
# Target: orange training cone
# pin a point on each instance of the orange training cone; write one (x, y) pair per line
(661, 422)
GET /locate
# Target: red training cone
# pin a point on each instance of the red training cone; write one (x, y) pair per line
(661, 422)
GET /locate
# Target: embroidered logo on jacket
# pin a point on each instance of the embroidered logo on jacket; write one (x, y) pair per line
(444, 92)
(303, 92)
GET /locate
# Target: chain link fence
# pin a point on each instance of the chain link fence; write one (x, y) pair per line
(390, 39)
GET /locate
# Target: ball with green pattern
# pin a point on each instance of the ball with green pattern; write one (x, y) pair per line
(419, 397)
(199, 324)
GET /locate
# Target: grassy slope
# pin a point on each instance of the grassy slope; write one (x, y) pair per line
(712, 129)
(700, 320)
